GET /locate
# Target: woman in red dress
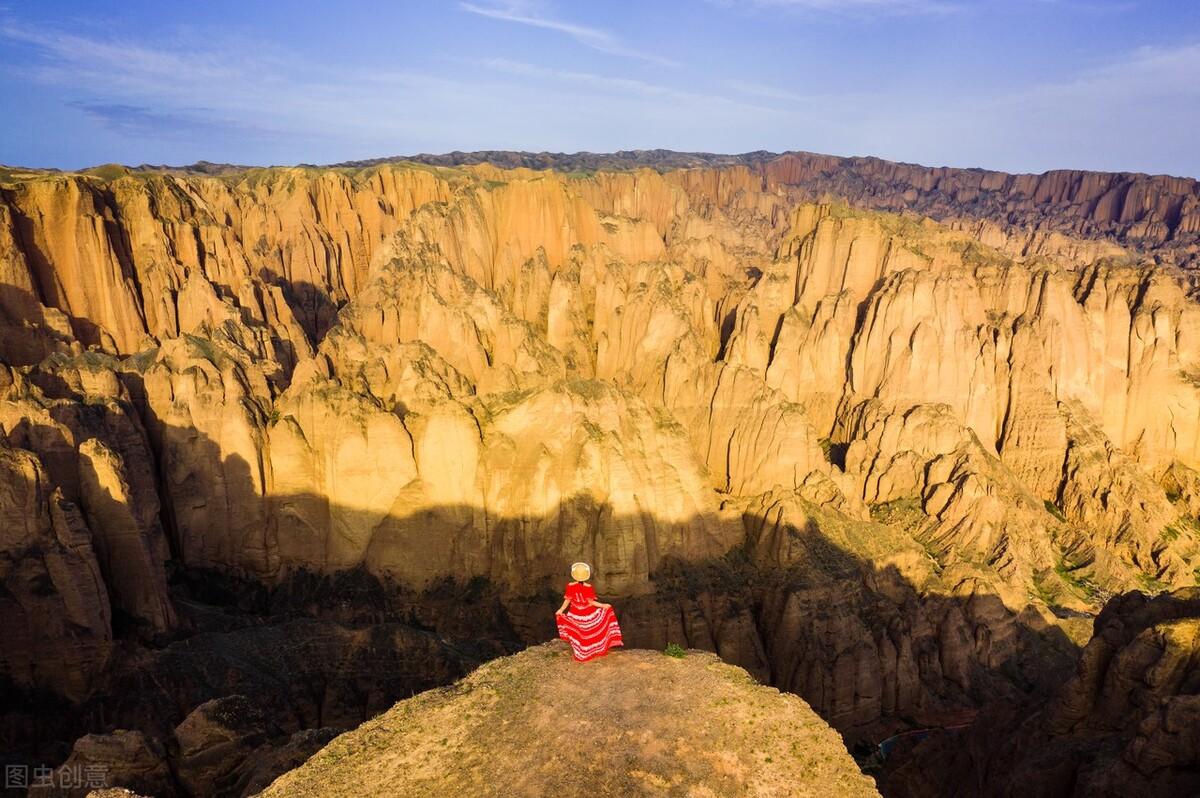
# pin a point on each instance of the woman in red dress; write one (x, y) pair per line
(588, 625)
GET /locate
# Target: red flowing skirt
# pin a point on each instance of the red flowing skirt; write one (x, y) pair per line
(591, 634)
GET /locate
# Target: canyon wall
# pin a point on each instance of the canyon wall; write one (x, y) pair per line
(1069, 208)
(1126, 722)
(885, 463)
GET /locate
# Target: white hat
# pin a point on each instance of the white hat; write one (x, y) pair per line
(581, 571)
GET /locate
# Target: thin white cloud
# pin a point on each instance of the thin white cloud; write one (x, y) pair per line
(1137, 111)
(211, 95)
(855, 8)
(194, 89)
(626, 86)
(763, 90)
(215, 98)
(1144, 73)
(523, 13)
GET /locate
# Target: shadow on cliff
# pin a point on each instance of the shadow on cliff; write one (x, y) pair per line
(320, 645)
(870, 651)
(28, 337)
(311, 304)
(1124, 724)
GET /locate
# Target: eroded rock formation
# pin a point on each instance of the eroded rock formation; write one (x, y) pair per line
(885, 463)
(1022, 214)
(1127, 723)
(55, 611)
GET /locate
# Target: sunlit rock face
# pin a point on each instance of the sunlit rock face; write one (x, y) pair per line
(916, 451)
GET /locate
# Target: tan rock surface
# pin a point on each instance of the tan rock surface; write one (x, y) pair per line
(762, 328)
(632, 723)
(921, 450)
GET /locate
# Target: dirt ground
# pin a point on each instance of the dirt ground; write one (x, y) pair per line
(633, 723)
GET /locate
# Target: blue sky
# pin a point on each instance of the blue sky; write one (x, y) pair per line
(1019, 85)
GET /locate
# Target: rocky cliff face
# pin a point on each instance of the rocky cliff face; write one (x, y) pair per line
(1127, 722)
(1021, 213)
(1152, 212)
(55, 614)
(882, 462)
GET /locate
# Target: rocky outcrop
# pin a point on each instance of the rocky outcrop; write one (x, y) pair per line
(226, 746)
(78, 419)
(229, 746)
(1125, 724)
(127, 758)
(650, 723)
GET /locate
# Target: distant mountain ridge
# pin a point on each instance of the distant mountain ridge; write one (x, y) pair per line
(659, 159)
(1158, 215)
(1154, 215)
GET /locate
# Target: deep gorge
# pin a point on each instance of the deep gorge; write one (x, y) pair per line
(283, 446)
